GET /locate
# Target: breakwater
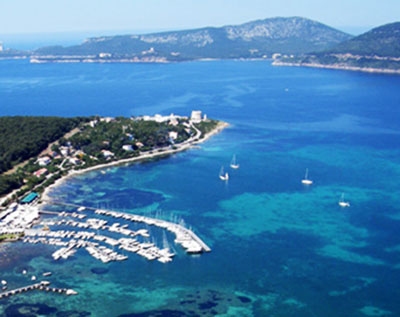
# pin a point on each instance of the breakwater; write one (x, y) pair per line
(41, 286)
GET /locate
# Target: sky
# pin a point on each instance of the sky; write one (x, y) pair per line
(105, 17)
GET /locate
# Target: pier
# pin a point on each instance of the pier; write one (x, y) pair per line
(41, 286)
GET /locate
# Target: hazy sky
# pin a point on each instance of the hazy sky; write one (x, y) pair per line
(34, 16)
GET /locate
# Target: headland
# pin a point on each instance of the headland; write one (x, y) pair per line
(102, 142)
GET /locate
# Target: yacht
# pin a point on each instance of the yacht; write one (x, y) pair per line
(234, 164)
(223, 176)
(306, 181)
(343, 203)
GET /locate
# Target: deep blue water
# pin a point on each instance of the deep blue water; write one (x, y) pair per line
(278, 248)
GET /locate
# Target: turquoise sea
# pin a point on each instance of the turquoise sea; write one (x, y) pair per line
(279, 248)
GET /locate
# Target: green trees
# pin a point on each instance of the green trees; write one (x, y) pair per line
(24, 137)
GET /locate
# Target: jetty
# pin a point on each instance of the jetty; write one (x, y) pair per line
(41, 286)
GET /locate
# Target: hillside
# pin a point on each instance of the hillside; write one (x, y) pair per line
(255, 39)
(376, 50)
(22, 138)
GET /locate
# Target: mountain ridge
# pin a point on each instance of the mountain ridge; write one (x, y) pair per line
(377, 50)
(254, 39)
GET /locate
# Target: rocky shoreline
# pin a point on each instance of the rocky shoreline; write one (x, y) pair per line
(340, 67)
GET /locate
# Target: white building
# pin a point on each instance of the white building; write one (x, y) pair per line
(173, 135)
(195, 116)
(107, 154)
(43, 161)
(127, 147)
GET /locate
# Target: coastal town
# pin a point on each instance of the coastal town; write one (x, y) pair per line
(27, 219)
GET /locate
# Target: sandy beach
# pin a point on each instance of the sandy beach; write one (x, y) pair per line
(142, 157)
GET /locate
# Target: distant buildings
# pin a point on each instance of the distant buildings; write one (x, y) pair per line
(196, 117)
(173, 119)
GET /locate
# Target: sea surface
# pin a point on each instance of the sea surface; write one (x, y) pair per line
(279, 248)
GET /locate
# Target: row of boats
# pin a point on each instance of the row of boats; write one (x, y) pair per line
(86, 240)
(90, 236)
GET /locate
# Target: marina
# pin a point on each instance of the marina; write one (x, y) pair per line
(95, 231)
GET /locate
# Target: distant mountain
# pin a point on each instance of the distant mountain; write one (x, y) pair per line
(256, 39)
(376, 50)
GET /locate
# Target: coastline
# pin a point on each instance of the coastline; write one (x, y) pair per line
(142, 157)
(340, 67)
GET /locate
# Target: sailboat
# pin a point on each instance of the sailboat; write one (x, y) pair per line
(306, 181)
(223, 176)
(343, 203)
(234, 164)
(165, 253)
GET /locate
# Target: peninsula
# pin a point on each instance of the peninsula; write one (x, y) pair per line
(98, 142)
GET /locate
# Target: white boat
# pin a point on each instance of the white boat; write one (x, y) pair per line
(234, 164)
(306, 181)
(71, 292)
(223, 176)
(343, 203)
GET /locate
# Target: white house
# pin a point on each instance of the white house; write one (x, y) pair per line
(43, 161)
(173, 135)
(107, 154)
(127, 147)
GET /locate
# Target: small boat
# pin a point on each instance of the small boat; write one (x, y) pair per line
(343, 203)
(306, 181)
(71, 292)
(234, 164)
(223, 176)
